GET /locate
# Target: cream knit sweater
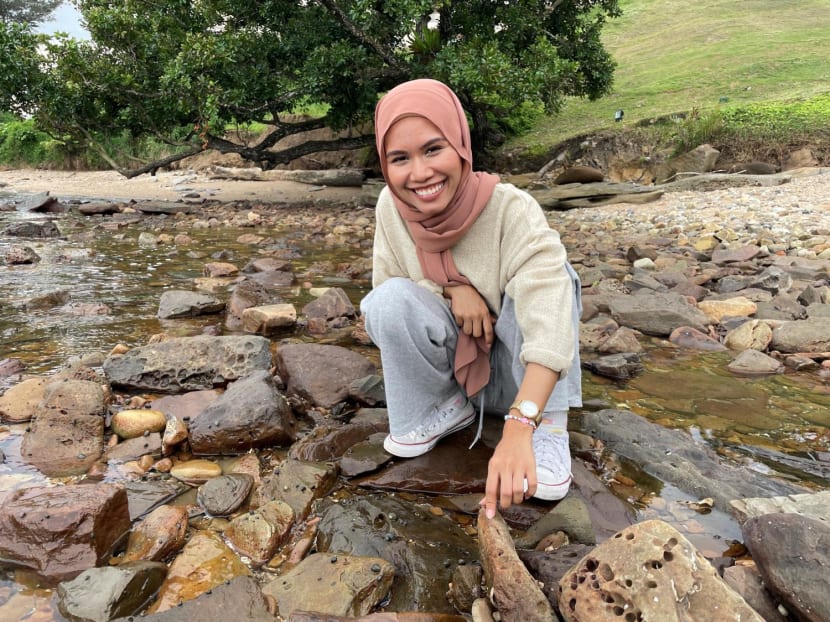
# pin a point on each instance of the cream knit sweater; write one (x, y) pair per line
(510, 249)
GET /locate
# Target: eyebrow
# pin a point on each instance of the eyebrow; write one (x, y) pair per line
(426, 145)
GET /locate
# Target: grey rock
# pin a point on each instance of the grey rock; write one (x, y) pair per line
(181, 303)
(810, 335)
(656, 314)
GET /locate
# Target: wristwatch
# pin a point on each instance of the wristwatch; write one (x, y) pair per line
(528, 409)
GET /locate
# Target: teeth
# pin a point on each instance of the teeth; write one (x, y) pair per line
(423, 192)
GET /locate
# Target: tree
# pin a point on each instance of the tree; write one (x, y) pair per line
(19, 58)
(27, 11)
(187, 71)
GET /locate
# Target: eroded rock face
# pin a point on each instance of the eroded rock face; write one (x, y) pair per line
(648, 571)
(59, 532)
(189, 363)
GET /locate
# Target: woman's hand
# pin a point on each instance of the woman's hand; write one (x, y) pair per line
(470, 311)
(512, 463)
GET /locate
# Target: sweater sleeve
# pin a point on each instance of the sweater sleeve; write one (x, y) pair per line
(533, 261)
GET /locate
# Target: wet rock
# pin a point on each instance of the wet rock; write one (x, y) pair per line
(72, 397)
(623, 340)
(196, 471)
(187, 406)
(180, 303)
(205, 563)
(10, 367)
(20, 255)
(791, 552)
(82, 309)
(334, 303)
(548, 567)
(20, 402)
(48, 300)
(31, 229)
(131, 423)
(648, 571)
(364, 457)
(369, 390)
(569, 515)
(246, 294)
(59, 532)
(63, 445)
(656, 314)
(321, 373)
(423, 547)
(618, 366)
(812, 505)
(465, 586)
(135, 448)
(101, 594)
(240, 595)
(219, 269)
(754, 363)
(267, 264)
(609, 514)
(258, 534)
(810, 335)
(160, 534)
(747, 581)
(188, 363)
(223, 495)
(299, 484)
(593, 333)
(331, 441)
(269, 319)
(688, 337)
(513, 591)
(144, 496)
(336, 585)
(273, 280)
(250, 414)
(673, 456)
(438, 470)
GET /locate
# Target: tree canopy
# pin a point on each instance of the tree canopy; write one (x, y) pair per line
(27, 11)
(187, 71)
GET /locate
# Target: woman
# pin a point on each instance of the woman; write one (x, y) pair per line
(473, 301)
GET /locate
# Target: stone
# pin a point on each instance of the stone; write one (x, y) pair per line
(648, 571)
(63, 445)
(269, 319)
(334, 303)
(19, 403)
(131, 423)
(716, 310)
(792, 553)
(753, 334)
(180, 303)
(245, 295)
(158, 535)
(754, 363)
(688, 337)
(196, 471)
(361, 583)
(258, 534)
(299, 484)
(812, 505)
(578, 175)
(223, 495)
(810, 335)
(747, 581)
(656, 314)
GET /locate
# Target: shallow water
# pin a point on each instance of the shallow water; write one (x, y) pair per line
(97, 263)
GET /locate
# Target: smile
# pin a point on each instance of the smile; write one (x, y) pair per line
(429, 190)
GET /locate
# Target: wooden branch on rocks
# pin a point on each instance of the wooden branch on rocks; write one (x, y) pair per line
(514, 592)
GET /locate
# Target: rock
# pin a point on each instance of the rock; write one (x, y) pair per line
(10, 367)
(331, 441)
(701, 159)
(800, 158)
(30, 229)
(299, 484)
(688, 337)
(746, 581)
(617, 366)
(717, 310)
(180, 303)
(204, 564)
(63, 445)
(570, 515)
(369, 390)
(58, 532)
(753, 168)
(648, 571)
(220, 269)
(811, 505)
(754, 363)
(674, 457)
(362, 583)
(20, 255)
(578, 175)
(20, 402)
(753, 334)
(321, 373)
(656, 314)
(258, 534)
(250, 414)
(334, 303)
(810, 335)
(269, 319)
(196, 471)
(245, 295)
(465, 586)
(774, 280)
(135, 448)
(223, 495)
(513, 591)
(160, 534)
(240, 595)
(792, 555)
(365, 456)
(101, 594)
(131, 423)
(188, 363)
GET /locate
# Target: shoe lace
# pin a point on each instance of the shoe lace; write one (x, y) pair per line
(550, 445)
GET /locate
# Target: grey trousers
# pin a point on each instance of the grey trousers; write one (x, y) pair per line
(417, 334)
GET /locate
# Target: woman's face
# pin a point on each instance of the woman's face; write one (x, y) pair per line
(422, 168)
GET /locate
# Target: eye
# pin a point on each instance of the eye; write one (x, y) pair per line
(397, 159)
(434, 149)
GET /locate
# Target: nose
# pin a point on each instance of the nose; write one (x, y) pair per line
(421, 169)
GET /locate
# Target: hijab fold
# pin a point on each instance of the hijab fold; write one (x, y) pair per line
(435, 232)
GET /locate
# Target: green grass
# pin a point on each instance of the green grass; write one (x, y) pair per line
(708, 55)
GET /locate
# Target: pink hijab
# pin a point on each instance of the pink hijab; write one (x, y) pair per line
(435, 233)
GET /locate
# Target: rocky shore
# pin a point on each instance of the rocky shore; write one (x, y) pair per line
(242, 470)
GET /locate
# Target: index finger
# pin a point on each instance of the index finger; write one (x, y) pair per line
(491, 491)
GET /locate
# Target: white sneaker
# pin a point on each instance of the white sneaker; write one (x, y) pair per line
(553, 462)
(445, 419)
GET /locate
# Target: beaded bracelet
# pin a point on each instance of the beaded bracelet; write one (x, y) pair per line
(524, 420)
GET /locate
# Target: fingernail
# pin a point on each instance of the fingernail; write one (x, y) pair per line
(490, 512)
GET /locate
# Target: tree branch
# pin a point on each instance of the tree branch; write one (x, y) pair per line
(379, 49)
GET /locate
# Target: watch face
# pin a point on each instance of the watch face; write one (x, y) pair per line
(528, 409)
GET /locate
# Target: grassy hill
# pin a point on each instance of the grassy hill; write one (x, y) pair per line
(710, 55)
